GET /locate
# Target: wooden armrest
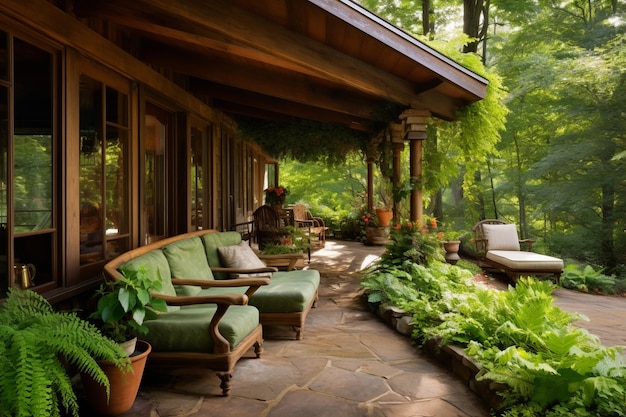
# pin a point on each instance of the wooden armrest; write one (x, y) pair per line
(220, 299)
(308, 223)
(222, 283)
(529, 242)
(244, 271)
(252, 283)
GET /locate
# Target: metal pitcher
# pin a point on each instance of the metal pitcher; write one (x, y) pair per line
(25, 274)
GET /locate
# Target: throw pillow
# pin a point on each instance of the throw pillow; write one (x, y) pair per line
(241, 256)
(501, 237)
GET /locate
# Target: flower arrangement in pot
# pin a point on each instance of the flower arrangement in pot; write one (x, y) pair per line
(122, 307)
(276, 195)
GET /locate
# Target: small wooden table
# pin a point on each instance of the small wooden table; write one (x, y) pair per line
(282, 260)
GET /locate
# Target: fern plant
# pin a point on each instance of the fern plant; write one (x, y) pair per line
(37, 345)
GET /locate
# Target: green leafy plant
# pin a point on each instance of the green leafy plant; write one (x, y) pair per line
(124, 304)
(519, 337)
(37, 345)
(295, 241)
(588, 279)
(410, 241)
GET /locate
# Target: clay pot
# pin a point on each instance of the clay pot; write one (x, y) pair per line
(384, 217)
(124, 386)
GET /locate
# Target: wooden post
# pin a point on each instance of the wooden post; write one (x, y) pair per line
(370, 184)
(414, 122)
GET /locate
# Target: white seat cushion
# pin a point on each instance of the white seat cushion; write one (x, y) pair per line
(501, 237)
(520, 261)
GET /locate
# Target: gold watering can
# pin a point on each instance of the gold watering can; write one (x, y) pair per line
(25, 274)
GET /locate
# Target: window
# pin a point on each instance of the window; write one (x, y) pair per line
(158, 125)
(201, 213)
(28, 135)
(104, 171)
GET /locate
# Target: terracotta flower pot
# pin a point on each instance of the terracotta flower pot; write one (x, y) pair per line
(384, 217)
(124, 386)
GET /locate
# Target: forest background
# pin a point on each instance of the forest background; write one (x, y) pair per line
(553, 156)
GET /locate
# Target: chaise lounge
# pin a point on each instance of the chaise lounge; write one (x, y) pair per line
(499, 247)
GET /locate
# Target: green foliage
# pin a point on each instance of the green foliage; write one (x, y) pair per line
(124, 304)
(36, 345)
(519, 337)
(414, 243)
(305, 140)
(587, 279)
(296, 241)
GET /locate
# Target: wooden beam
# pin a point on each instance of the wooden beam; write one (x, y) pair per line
(355, 15)
(288, 86)
(230, 97)
(263, 35)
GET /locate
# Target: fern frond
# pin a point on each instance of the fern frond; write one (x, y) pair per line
(34, 343)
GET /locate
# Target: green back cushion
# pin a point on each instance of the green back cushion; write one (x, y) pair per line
(212, 241)
(156, 264)
(187, 330)
(187, 259)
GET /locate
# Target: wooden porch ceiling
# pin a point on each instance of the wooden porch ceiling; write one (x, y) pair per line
(325, 60)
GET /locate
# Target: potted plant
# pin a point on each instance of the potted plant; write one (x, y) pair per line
(275, 196)
(451, 244)
(37, 348)
(295, 240)
(122, 307)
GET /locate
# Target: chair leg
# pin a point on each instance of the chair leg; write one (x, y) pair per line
(225, 385)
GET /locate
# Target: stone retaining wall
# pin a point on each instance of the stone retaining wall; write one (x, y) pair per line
(451, 356)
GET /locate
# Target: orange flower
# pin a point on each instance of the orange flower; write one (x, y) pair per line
(409, 225)
(440, 235)
(433, 223)
(398, 226)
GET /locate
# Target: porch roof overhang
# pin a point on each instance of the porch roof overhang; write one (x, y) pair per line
(325, 60)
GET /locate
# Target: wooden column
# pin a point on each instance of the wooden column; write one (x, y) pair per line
(370, 184)
(414, 122)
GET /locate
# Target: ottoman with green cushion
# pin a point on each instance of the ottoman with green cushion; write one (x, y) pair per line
(288, 298)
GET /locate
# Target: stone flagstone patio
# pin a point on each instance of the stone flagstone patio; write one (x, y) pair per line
(349, 363)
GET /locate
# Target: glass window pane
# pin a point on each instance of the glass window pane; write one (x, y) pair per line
(4, 142)
(32, 139)
(4, 55)
(117, 107)
(91, 184)
(197, 178)
(116, 182)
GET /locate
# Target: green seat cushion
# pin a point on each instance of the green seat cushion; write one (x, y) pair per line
(212, 241)
(155, 263)
(311, 276)
(187, 330)
(288, 292)
(187, 259)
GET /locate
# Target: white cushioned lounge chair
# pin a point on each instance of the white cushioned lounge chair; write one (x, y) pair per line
(499, 247)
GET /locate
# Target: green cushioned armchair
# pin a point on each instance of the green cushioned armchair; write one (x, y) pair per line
(215, 334)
